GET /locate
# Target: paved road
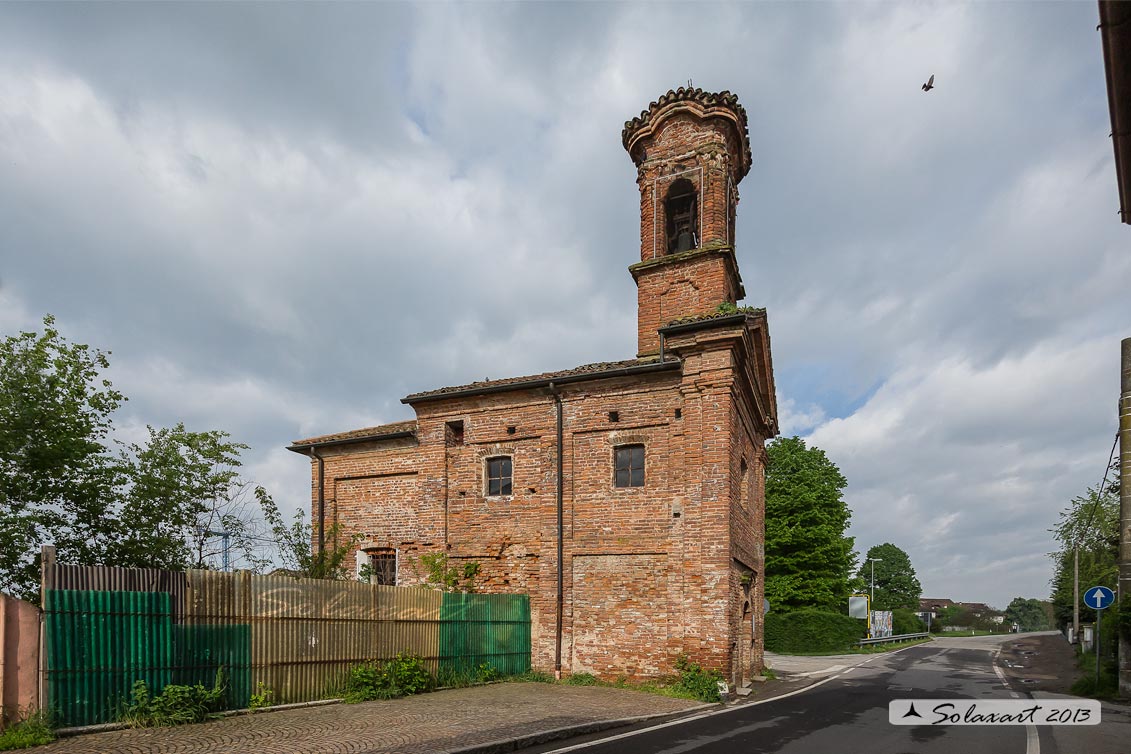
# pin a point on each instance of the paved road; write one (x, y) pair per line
(847, 712)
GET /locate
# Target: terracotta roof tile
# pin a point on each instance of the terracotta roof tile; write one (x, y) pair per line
(358, 434)
(603, 366)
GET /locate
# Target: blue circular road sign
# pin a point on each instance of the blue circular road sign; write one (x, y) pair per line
(1099, 597)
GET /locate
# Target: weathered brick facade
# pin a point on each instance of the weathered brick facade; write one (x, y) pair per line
(647, 572)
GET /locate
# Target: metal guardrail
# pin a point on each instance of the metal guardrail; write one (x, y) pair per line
(891, 639)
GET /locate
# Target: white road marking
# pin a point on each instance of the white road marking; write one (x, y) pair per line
(1032, 737)
(630, 734)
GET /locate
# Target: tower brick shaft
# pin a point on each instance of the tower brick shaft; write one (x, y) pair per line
(691, 149)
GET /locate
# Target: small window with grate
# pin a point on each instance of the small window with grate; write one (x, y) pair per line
(383, 566)
(630, 466)
(498, 476)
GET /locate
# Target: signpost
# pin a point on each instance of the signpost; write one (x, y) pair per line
(1098, 598)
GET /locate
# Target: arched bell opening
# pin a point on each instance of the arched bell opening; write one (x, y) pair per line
(681, 211)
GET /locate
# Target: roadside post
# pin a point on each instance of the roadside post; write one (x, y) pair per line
(1098, 598)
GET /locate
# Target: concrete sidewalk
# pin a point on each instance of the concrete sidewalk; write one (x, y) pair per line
(481, 720)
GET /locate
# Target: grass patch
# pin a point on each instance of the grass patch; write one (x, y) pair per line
(692, 682)
(451, 678)
(532, 676)
(34, 730)
(1106, 687)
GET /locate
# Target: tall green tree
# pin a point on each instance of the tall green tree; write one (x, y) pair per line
(58, 479)
(808, 557)
(185, 489)
(1090, 524)
(896, 585)
(1028, 614)
(63, 481)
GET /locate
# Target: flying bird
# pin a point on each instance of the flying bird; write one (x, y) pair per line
(930, 84)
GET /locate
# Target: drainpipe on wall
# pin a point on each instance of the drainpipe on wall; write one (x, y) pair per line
(561, 532)
(321, 500)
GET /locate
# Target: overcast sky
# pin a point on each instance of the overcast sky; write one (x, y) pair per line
(281, 219)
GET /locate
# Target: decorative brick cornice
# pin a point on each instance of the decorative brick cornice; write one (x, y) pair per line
(704, 104)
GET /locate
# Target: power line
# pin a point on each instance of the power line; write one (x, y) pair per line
(1100, 491)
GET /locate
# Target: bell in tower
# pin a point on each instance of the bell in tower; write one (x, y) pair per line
(681, 210)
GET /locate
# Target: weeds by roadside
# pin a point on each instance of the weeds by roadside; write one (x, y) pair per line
(1107, 687)
(692, 682)
(261, 698)
(403, 675)
(175, 705)
(33, 730)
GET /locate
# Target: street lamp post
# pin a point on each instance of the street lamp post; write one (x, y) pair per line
(873, 561)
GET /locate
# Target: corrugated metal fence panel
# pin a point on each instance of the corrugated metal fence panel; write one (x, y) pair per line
(216, 635)
(307, 633)
(299, 637)
(491, 629)
(98, 644)
(112, 579)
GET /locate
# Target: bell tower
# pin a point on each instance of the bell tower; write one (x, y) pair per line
(691, 148)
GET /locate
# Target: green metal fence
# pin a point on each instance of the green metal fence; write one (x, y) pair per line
(478, 629)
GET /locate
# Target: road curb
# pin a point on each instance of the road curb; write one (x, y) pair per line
(569, 731)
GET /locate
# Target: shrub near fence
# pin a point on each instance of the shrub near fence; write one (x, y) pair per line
(812, 631)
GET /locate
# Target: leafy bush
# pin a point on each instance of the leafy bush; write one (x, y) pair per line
(695, 682)
(403, 675)
(812, 631)
(904, 621)
(34, 730)
(175, 705)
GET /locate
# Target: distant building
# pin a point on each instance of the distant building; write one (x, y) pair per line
(627, 498)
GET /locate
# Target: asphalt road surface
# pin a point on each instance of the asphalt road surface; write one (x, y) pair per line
(848, 712)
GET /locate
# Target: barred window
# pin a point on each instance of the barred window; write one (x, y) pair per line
(630, 466)
(383, 566)
(498, 476)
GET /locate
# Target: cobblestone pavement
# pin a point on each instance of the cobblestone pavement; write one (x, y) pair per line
(443, 721)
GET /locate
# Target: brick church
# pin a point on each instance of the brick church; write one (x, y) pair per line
(626, 498)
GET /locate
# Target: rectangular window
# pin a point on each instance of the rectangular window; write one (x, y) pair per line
(383, 566)
(630, 466)
(498, 476)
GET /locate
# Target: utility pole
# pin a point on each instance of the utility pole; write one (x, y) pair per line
(1123, 594)
(873, 562)
(1076, 593)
